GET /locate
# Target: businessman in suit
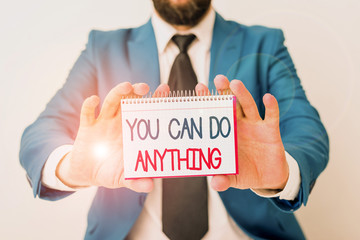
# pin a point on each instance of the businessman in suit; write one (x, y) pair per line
(282, 144)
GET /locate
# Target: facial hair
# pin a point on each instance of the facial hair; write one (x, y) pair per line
(183, 14)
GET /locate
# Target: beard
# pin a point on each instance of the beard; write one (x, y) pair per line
(185, 14)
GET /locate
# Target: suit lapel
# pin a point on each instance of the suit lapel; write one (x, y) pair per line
(144, 61)
(225, 48)
(143, 56)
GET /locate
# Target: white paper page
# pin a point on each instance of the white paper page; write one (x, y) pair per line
(179, 136)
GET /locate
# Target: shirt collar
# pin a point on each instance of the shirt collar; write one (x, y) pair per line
(164, 31)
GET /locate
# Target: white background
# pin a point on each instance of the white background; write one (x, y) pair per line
(40, 40)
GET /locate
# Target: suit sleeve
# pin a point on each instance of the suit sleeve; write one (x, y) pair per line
(303, 135)
(58, 124)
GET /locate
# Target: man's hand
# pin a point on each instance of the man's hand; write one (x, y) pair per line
(261, 154)
(97, 155)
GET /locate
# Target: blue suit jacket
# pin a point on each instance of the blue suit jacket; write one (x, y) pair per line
(256, 55)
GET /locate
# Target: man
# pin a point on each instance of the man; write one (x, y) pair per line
(282, 145)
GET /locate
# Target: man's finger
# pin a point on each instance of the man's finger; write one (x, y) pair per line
(271, 108)
(222, 84)
(202, 90)
(223, 182)
(138, 90)
(145, 185)
(112, 101)
(162, 90)
(220, 183)
(247, 102)
(87, 115)
(141, 89)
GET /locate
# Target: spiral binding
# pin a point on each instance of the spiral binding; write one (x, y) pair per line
(179, 96)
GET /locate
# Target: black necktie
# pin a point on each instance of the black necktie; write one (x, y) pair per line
(182, 75)
(185, 205)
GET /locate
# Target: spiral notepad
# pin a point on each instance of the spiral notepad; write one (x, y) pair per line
(178, 136)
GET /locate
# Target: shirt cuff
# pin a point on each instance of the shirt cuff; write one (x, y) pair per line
(49, 178)
(292, 187)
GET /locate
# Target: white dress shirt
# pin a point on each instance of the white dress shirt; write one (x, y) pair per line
(149, 224)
